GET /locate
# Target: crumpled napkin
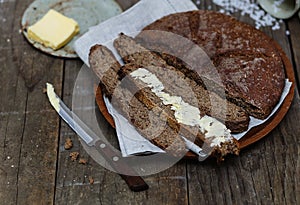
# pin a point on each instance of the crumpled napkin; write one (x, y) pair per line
(131, 22)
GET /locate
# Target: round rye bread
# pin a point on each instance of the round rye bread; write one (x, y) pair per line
(247, 61)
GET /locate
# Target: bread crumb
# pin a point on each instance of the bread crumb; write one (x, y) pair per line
(44, 90)
(74, 156)
(91, 180)
(68, 144)
(82, 161)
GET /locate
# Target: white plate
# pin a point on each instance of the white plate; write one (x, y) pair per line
(86, 13)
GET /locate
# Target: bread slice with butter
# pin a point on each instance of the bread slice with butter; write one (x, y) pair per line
(53, 30)
(106, 67)
(234, 117)
(155, 117)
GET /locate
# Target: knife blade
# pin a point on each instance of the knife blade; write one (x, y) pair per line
(115, 160)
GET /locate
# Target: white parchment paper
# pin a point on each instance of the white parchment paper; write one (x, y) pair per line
(130, 22)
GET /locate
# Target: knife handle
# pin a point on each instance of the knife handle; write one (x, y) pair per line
(135, 182)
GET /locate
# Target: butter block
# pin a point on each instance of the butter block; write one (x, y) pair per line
(53, 30)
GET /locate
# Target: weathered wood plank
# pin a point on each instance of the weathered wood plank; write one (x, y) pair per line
(264, 173)
(73, 184)
(12, 111)
(294, 29)
(29, 137)
(36, 177)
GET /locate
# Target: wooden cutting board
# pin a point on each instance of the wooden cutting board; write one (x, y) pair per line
(256, 133)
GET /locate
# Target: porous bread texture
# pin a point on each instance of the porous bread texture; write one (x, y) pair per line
(136, 110)
(209, 103)
(106, 67)
(191, 132)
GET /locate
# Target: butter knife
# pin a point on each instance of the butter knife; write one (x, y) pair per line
(115, 160)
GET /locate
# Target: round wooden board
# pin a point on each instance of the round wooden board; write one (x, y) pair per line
(256, 133)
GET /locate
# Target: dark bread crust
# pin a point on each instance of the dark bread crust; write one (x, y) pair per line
(208, 102)
(105, 66)
(247, 60)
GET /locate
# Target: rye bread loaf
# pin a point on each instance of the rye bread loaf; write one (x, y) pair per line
(209, 103)
(250, 67)
(161, 134)
(137, 111)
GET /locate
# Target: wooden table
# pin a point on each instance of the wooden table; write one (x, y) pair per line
(36, 169)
